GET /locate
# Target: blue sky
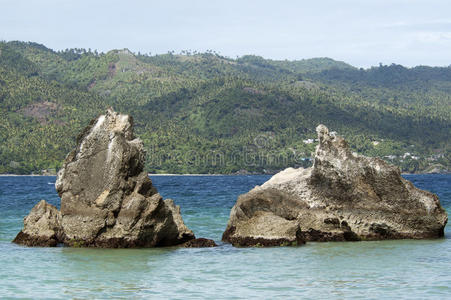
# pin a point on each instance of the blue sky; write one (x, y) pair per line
(363, 33)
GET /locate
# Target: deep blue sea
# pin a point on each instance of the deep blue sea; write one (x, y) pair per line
(371, 270)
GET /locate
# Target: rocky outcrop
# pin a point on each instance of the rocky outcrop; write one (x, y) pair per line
(42, 227)
(107, 200)
(343, 197)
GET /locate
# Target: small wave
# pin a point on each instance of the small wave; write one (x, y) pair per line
(50, 183)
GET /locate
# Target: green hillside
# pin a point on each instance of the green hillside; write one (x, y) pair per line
(205, 113)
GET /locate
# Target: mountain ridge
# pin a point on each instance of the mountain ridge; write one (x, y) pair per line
(189, 107)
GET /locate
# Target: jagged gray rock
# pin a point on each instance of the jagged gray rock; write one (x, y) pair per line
(107, 200)
(343, 197)
(42, 227)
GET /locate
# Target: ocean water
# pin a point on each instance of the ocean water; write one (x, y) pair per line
(371, 270)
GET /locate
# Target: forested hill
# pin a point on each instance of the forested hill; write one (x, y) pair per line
(205, 113)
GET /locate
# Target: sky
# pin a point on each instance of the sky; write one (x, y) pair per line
(363, 33)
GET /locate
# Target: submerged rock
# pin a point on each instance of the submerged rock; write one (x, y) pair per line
(107, 200)
(343, 197)
(200, 243)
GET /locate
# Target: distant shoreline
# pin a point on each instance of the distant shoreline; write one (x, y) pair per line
(149, 174)
(161, 175)
(24, 175)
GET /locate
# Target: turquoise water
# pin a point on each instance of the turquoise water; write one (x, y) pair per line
(370, 270)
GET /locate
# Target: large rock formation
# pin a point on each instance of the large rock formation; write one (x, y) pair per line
(343, 197)
(107, 200)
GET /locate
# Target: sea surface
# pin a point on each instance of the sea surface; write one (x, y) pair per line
(406, 269)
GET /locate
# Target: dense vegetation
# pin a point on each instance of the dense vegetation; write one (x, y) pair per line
(205, 113)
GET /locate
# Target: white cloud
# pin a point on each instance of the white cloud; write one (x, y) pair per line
(362, 33)
(433, 37)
